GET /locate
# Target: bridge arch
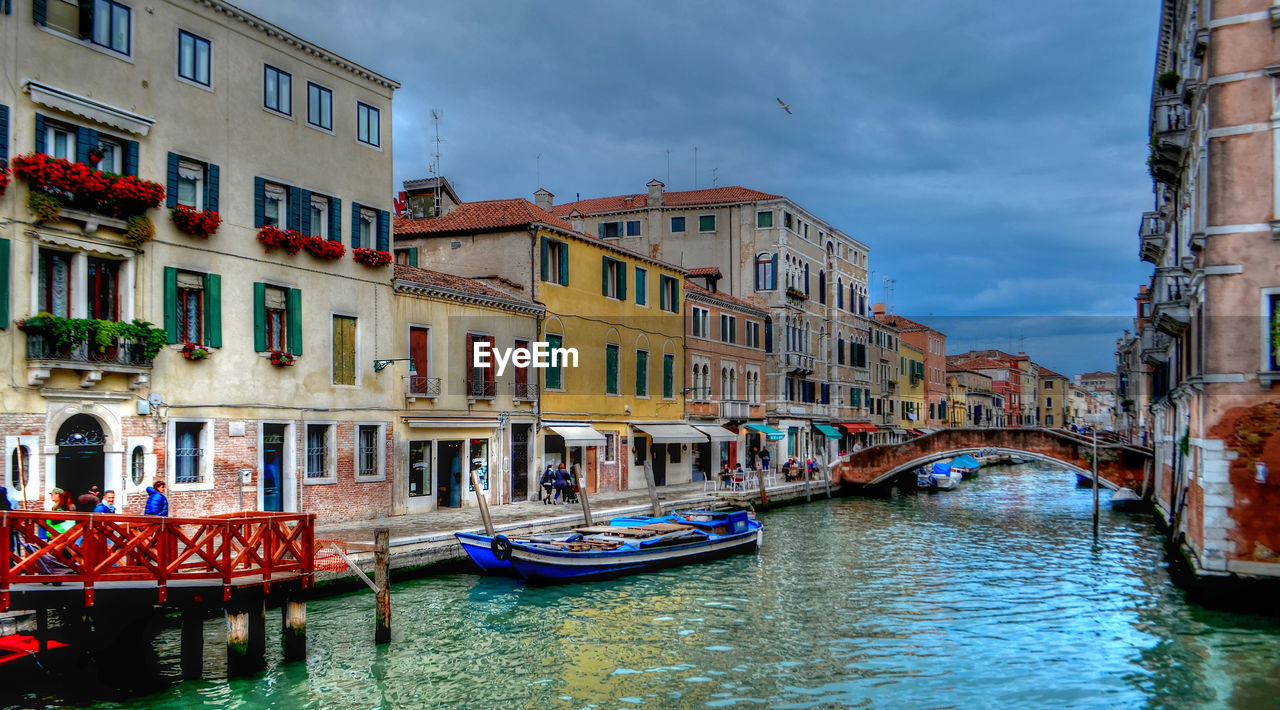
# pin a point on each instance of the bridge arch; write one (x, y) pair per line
(986, 452)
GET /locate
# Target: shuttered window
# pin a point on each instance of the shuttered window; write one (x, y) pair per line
(668, 376)
(554, 374)
(4, 284)
(642, 373)
(192, 307)
(555, 261)
(277, 319)
(344, 350)
(611, 369)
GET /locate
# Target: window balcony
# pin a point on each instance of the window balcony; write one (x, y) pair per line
(798, 362)
(735, 410)
(481, 389)
(1154, 348)
(1172, 316)
(1151, 233)
(424, 387)
(52, 343)
(525, 391)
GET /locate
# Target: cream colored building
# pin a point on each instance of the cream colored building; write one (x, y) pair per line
(229, 113)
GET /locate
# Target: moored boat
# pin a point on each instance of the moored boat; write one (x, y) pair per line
(966, 465)
(944, 477)
(479, 549)
(1126, 500)
(633, 545)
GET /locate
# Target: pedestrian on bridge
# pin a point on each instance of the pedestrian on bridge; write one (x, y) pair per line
(108, 504)
(157, 502)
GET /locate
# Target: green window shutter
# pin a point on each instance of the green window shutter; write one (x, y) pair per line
(564, 263)
(642, 287)
(355, 225)
(294, 316)
(413, 256)
(260, 317)
(171, 304)
(384, 230)
(171, 182)
(295, 208)
(622, 281)
(335, 219)
(544, 258)
(304, 209)
(40, 12)
(86, 19)
(4, 135)
(259, 206)
(40, 147)
(604, 277)
(611, 369)
(553, 374)
(642, 373)
(4, 284)
(668, 375)
(855, 395)
(213, 310)
(211, 185)
(662, 293)
(86, 140)
(131, 158)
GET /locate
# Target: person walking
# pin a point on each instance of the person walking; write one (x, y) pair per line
(764, 459)
(88, 500)
(157, 502)
(547, 481)
(561, 482)
(108, 503)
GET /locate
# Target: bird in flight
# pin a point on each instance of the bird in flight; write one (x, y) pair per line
(784, 106)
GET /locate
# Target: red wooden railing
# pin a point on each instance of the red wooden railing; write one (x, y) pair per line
(100, 548)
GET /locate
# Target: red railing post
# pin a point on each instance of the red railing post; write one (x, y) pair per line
(5, 562)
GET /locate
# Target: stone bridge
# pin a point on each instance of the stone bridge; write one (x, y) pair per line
(1119, 465)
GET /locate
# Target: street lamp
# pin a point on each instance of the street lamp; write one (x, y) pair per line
(380, 365)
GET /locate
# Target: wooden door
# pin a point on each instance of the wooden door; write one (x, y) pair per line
(592, 474)
(419, 352)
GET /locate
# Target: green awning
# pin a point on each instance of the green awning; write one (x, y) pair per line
(827, 431)
(773, 434)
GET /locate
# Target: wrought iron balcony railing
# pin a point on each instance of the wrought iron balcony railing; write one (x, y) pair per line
(43, 345)
(481, 389)
(424, 386)
(526, 391)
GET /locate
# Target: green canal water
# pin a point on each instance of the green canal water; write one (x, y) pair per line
(994, 594)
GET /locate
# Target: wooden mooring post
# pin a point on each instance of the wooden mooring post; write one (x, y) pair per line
(484, 504)
(293, 629)
(246, 637)
(382, 580)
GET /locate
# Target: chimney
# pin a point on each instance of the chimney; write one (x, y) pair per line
(575, 220)
(877, 309)
(543, 198)
(655, 192)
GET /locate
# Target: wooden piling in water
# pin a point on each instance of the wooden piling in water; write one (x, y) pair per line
(192, 643)
(382, 580)
(653, 487)
(293, 629)
(484, 504)
(237, 642)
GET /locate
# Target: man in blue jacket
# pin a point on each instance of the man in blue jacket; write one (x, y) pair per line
(157, 503)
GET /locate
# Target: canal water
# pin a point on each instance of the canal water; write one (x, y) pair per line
(992, 594)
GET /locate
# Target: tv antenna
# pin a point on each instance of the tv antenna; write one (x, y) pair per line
(887, 283)
(435, 163)
(695, 167)
(715, 176)
(539, 179)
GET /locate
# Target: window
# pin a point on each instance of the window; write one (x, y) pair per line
(633, 228)
(554, 374)
(1048, 384)
(277, 319)
(707, 223)
(112, 152)
(555, 261)
(610, 230)
(318, 449)
(193, 58)
(753, 334)
(187, 451)
(103, 299)
(766, 272)
(368, 450)
(277, 330)
(368, 223)
(55, 283)
(1048, 420)
(190, 307)
(677, 224)
(481, 381)
(190, 184)
(669, 291)
(764, 219)
(368, 128)
(668, 376)
(408, 257)
(613, 279)
(138, 466)
(611, 369)
(60, 142)
(19, 468)
(642, 373)
(728, 329)
(700, 324)
(642, 286)
(277, 90)
(111, 24)
(319, 106)
(420, 471)
(610, 447)
(788, 221)
(344, 350)
(275, 206)
(318, 224)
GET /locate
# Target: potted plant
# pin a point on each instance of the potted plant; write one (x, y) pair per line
(371, 257)
(191, 351)
(273, 238)
(280, 358)
(1168, 81)
(96, 154)
(324, 248)
(139, 230)
(197, 223)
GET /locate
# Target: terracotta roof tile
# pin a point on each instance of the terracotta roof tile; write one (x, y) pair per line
(978, 363)
(687, 198)
(705, 271)
(427, 277)
(693, 288)
(485, 215)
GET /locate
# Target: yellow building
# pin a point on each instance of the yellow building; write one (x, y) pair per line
(911, 384)
(617, 402)
(957, 401)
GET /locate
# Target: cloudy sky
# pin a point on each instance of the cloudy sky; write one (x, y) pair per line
(990, 152)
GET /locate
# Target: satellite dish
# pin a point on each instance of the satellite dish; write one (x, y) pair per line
(155, 399)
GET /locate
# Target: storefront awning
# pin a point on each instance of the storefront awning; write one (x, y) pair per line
(773, 434)
(578, 434)
(858, 427)
(428, 423)
(717, 433)
(827, 430)
(672, 433)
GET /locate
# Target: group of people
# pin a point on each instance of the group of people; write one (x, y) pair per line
(559, 485)
(91, 501)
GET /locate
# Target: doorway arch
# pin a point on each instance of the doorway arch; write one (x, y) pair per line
(80, 462)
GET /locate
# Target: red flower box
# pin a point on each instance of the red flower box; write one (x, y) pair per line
(323, 248)
(274, 238)
(83, 187)
(196, 223)
(4, 179)
(280, 358)
(371, 257)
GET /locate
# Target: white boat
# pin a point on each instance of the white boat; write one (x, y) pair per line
(940, 478)
(1126, 500)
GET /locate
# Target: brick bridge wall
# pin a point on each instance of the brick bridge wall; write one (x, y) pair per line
(1119, 465)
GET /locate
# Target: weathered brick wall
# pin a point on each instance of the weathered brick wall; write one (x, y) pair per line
(26, 424)
(1251, 433)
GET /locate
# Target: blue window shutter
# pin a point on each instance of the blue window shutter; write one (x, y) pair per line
(294, 316)
(295, 208)
(622, 281)
(544, 259)
(773, 273)
(604, 277)
(213, 310)
(171, 304)
(600, 230)
(4, 135)
(86, 140)
(211, 185)
(355, 225)
(40, 12)
(171, 182)
(335, 219)
(304, 211)
(260, 317)
(130, 158)
(4, 284)
(40, 127)
(384, 230)
(259, 208)
(413, 256)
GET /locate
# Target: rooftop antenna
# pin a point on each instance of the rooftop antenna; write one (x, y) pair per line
(715, 176)
(695, 167)
(668, 166)
(435, 163)
(539, 170)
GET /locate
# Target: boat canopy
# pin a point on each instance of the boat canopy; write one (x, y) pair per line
(578, 434)
(965, 461)
(716, 433)
(672, 433)
(942, 468)
(773, 434)
(827, 430)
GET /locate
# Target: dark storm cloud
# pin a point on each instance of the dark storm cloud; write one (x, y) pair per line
(990, 153)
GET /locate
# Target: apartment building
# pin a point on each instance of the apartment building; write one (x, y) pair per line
(1052, 401)
(180, 296)
(933, 344)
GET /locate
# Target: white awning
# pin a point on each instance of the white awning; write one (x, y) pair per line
(425, 423)
(578, 435)
(92, 109)
(672, 433)
(717, 433)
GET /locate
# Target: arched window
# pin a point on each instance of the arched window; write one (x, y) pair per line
(822, 287)
(706, 381)
(839, 293)
(733, 384)
(20, 469)
(806, 279)
(840, 351)
(137, 466)
(724, 384)
(766, 272)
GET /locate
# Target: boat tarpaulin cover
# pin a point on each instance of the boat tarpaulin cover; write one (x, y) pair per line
(773, 434)
(965, 461)
(672, 433)
(942, 468)
(717, 433)
(827, 430)
(578, 434)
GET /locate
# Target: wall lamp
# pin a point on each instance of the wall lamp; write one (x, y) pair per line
(380, 365)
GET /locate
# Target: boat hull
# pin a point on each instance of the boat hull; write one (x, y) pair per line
(543, 566)
(478, 548)
(1126, 501)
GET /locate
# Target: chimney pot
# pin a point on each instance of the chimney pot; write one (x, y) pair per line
(543, 198)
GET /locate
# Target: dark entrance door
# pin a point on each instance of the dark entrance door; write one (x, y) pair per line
(272, 463)
(79, 460)
(704, 464)
(520, 461)
(659, 455)
(449, 474)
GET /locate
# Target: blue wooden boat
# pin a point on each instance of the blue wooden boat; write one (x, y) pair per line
(480, 549)
(629, 545)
